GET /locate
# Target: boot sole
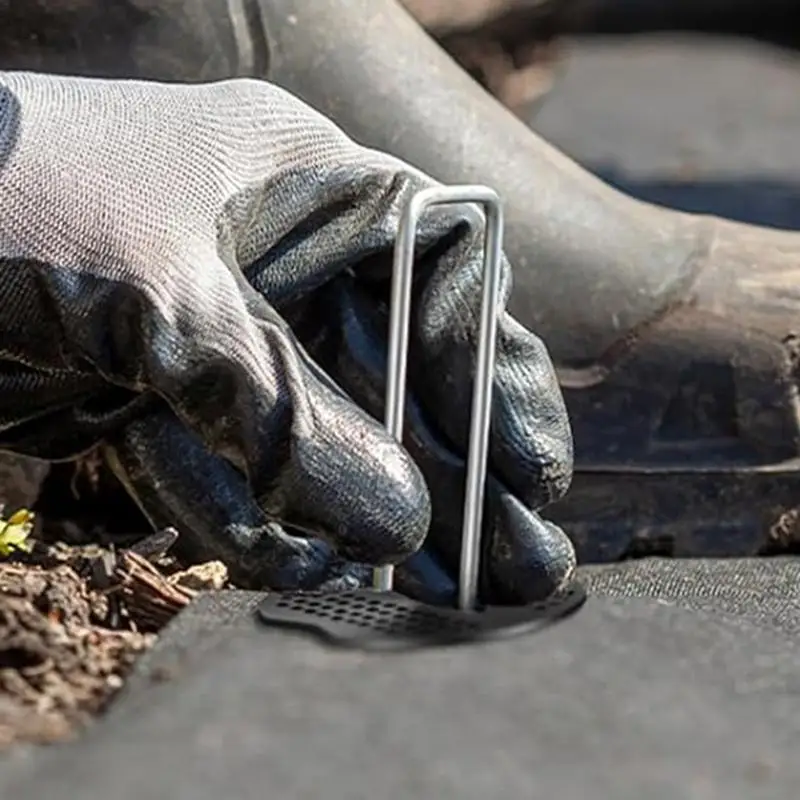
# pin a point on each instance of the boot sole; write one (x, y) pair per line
(615, 513)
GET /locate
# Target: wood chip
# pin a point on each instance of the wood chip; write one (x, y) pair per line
(150, 598)
(211, 576)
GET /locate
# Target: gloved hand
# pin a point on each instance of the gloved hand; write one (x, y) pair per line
(175, 259)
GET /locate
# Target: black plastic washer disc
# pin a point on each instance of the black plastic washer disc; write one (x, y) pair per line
(369, 620)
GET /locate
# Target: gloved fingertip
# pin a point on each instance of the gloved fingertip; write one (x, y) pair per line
(288, 563)
(531, 558)
(423, 578)
(361, 490)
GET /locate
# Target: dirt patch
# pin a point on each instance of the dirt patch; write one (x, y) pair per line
(84, 591)
(73, 621)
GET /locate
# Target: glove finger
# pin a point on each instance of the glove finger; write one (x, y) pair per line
(209, 502)
(344, 477)
(347, 480)
(424, 577)
(526, 559)
(531, 444)
(530, 558)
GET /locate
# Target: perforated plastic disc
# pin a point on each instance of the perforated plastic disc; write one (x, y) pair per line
(370, 620)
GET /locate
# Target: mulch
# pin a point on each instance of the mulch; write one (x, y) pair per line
(73, 621)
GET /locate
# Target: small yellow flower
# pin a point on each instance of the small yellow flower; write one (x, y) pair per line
(15, 532)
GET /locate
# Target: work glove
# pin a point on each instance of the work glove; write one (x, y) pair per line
(198, 277)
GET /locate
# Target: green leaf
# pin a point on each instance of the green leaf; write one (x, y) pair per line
(15, 533)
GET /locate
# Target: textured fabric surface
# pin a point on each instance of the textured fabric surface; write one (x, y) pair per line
(765, 592)
(172, 254)
(630, 698)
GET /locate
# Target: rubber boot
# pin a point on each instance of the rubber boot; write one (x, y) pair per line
(675, 336)
(509, 46)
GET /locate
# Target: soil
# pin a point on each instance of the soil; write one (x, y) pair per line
(75, 616)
